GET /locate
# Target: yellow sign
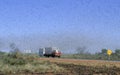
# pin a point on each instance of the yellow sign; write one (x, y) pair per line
(109, 52)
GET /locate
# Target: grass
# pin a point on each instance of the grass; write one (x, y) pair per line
(30, 64)
(87, 67)
(22, 63)
(92, 68)
(113, 57)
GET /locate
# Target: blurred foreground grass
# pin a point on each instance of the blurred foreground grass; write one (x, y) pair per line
(17, 63)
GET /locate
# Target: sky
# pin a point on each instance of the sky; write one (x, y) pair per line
(66, 24)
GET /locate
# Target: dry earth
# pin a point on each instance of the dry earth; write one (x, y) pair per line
(86, 67)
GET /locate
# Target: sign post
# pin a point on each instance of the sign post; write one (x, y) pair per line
(109, 52)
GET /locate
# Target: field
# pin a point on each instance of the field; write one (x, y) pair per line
(87, 67)
(30, 64)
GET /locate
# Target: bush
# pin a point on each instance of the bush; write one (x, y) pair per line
(14, 63)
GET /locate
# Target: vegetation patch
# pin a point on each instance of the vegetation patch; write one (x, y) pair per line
(90, 70)
(18, 63)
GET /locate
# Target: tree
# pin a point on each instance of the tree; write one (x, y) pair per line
(104, 51)
(81, 50)
(14, 47)
(1, 43)
(117, 52)
(15, 53)
(102, 54)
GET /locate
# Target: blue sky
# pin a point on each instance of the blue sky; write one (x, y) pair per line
(67, 24)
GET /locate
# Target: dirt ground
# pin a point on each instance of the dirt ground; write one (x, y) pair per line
(84, 62)
(86, 67)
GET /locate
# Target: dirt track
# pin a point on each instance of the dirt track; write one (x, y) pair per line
(84, 62)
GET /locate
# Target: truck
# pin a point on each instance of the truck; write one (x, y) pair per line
(50, 52)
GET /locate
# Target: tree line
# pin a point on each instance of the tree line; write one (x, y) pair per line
(102, 55)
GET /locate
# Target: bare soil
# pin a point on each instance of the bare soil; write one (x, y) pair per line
(86, 67)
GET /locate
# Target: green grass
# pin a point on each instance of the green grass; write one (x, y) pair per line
(91, 56)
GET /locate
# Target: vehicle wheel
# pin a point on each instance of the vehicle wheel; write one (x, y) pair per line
(48, 56)
(53, 56)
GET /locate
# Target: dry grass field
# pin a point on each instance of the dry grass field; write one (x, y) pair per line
(85, 62)
(86, 67)
(20, 64)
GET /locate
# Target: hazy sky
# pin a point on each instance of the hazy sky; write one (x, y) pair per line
(66, 24)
